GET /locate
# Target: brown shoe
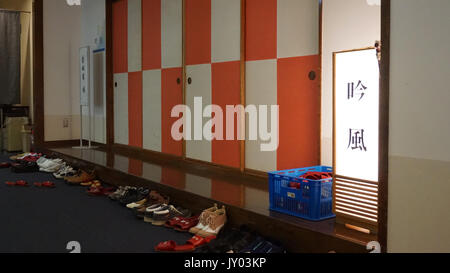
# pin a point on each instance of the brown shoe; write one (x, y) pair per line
(203, 219)
(153, 198)
(216, 222)
(80, 178)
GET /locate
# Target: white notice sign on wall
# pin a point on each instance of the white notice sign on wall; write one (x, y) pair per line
(84, 76)
(356, 90)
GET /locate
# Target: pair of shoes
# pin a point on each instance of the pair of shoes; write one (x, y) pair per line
(4, 165)
(93, 183)
(24, 167)
(64, 171)
(154, 198)
(81, 177)
(160, 217)
(149, 211)
(16, 157)
(99, 190)
(46, 184)
(230, 241)
(118, 193)
(133, 195)
(27, 157)
(262, 246)
(191, 244)
(20, 183)
(211, 221)
(49, 165)
(182, 224)
(137, 204)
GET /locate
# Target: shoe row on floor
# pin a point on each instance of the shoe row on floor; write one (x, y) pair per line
(209, 228)
(210, 233)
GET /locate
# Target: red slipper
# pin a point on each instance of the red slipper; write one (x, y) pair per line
(10, 184)
(22, 183)
(172, 222)
(99, 191)
(194, 243)
(187, 223)
(167, 246)
(5, 165)
(95, 191)
(48, 184)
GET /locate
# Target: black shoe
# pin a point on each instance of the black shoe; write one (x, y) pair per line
(24, 167)
(133, 195)
(223, 244)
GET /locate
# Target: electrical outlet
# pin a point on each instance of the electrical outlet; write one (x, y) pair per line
(66, 122)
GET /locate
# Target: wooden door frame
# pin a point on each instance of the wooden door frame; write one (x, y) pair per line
(38, 72)
(383, 172)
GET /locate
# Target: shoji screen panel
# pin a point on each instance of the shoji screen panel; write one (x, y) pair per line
(134, 35)
(162, 69)
(148, 72)
(226, 73)
(282, 48)
(121, 108)
(213, 70)
(127, 62)
(120, 30)
(171, 71)
(120, 68)
(135, 109)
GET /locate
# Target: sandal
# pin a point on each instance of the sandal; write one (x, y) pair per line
(46, 184)
(187, 223)
(22, 183)
(4, 165)
(172, 222)
(10, 184)
(193, 243)
(167, 246)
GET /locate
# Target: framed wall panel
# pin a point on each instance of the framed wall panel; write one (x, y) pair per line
(121, 108)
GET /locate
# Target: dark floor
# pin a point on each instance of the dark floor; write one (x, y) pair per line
(35, 220)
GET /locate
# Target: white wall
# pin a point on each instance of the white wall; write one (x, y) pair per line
(61, 76)
(66, 29)
(347, 24)
(93, 27)
(419, 153)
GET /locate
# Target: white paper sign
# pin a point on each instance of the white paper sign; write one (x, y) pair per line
(84, 76)
(357, 114)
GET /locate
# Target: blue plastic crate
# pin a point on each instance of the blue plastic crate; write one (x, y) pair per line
(313, 201)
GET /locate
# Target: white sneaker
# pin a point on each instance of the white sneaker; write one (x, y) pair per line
(50, 165)
(64, 171)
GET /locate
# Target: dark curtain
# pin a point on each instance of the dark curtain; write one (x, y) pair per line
(9, 57)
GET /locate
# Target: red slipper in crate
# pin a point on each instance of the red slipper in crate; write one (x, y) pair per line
(186, 224)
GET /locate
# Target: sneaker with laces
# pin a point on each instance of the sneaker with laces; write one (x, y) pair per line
(118, 193)
(148, 217)
(64, 171)
(161, 216)
(133, 195)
